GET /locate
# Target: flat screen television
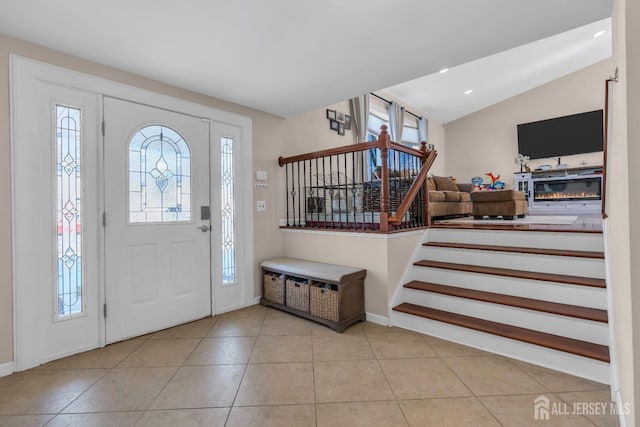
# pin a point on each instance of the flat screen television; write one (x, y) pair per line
(562, 136)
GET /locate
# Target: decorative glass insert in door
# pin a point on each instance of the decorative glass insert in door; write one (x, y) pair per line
(159, 176)
(68, 212)
(228, 212)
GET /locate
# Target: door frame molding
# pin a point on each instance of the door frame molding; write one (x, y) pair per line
(25, 73)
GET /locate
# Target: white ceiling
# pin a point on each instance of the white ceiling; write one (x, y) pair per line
(287, 57)
(497, 77)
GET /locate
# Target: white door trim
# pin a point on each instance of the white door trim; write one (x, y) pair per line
(24, 75)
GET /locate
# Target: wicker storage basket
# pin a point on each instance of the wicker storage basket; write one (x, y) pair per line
(297, 294)
(274, 287)
(324, 301)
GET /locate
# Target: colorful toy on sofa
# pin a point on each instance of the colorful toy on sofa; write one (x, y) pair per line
(477, 183)
(494, 181)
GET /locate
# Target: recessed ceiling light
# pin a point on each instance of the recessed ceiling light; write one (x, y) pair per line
(467, 92)
(444, 70)
(598, 34)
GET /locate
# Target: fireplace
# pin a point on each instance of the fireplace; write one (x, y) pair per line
(574, 189)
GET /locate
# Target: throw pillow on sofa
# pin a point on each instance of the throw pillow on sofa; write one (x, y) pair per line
(445, 183)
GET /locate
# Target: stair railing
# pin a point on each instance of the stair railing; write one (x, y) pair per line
(378, 186)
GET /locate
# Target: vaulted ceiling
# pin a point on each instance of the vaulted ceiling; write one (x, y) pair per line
(287, 57)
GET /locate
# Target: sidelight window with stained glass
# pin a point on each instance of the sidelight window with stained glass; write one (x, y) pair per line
(159, 176)
(69, 287)
(228, 212)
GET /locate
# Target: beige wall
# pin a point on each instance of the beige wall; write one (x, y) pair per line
(624, 177)
(487, 141)
(384, 257)
(633, 140)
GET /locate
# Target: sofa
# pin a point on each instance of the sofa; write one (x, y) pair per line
(448, 198)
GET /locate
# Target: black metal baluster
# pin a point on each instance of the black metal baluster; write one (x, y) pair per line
(346, 192)
(362, 195)
(331, 190)
(299, 196)
(324, 192)
(353, 189)
(286, 186)
(304, 191)
(317, 197)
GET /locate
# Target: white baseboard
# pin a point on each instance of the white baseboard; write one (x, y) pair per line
(257, 299)
(377, 319)
(6, 369)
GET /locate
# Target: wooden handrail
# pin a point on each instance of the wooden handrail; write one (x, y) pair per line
(407, 150)
(415, 188)
(353, 148)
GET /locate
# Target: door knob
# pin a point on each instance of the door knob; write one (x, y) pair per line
(204, 228)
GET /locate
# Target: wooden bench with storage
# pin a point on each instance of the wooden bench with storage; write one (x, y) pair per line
(329, 294)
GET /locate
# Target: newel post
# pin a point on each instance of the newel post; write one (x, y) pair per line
(426, 217)
(384, 144)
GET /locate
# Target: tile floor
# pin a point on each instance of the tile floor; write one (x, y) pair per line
(262, 367)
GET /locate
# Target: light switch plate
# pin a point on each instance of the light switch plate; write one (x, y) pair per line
(262, 175)
(261, 206)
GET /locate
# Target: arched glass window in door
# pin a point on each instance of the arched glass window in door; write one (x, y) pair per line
(159, 176)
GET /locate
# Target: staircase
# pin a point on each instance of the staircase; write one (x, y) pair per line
(532, 295)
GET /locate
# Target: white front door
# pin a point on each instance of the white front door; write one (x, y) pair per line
(157, 234)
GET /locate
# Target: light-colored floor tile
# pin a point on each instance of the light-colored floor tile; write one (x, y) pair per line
(210, 417)
(360, 414)
(106, 357)
(422, 378)
(201, 387)
(260, 360)
(195, 329)
(236, 327)
(103, 419)
(160, 352)
(357, 329)
(282, 348)
(602, 414)
(519, 411)
(222, 351)
(492, 375)
(256, 311)
(43, 391)
(24, 420)
(336, 346)
(393, 345)
(451, 412)
(350, 381)
(276, 384)
(558, 381)
(373, 328)
(286, 325)
(123, 389)
(449, 348)
(272, 416)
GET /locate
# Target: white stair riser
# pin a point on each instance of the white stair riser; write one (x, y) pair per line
(585, 296)
(560, 361)
(579, 329)
(529, 239)
(573, 266)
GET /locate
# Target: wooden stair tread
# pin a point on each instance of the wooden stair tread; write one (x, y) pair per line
(513, 301)
(522, 274)
(556, 342)
(517, 249)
